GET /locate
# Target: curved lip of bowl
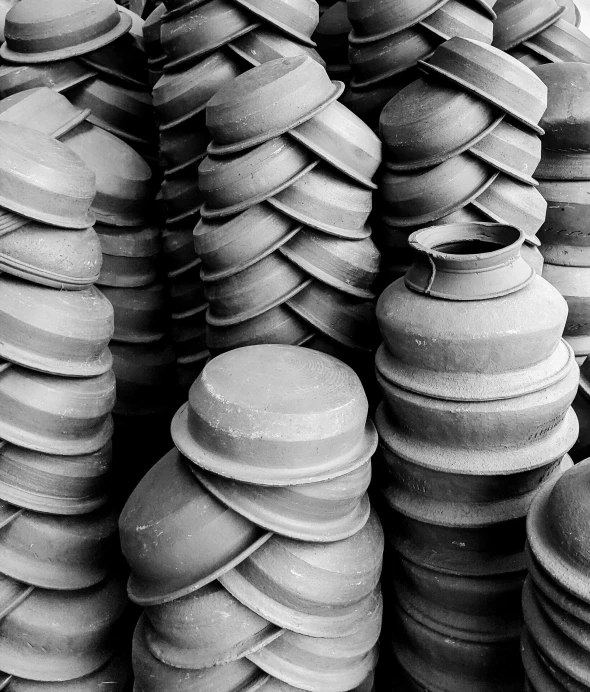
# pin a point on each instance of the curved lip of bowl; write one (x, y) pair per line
(119, 218)
(182, 166)
(503, 168)
(285, 28)
(146, 593)
(179, 11)
(44, 277)
(71, 124)
(51, 219)
(111, 72)
(122, 28)
(554, 165)
(236, 470)
(121, 134)
(48, 504)
(222, 149)
(536, 30)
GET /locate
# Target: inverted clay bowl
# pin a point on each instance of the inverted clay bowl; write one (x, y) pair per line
(233, 441)
(186, 292)
(168, 557)
(37, 33)
(130, 256)
(328, 201)
(325, 593)
(527, 57)
(180, 192)
(519, 20)
(59, 552)
(56, 415)
(188, 334)
(331, 34)
(493, 75)
(230, 184)
(296, 18)
(267, 101)
(58, 332)
(179, 249)
(59, 76)
(53, 257)
(42, 109)
(204, 629)
(54, 484)
(140, 313)
(456, 18)
(123, 178)
(560, 42)
(265, 44)
(43, 179)
(184, 144)
(563, 234)
(115, 673)
(124, 59)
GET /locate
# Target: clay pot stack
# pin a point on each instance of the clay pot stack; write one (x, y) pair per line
(556, 598)
(331, 37)
(461, 144)
(61, 599)
(388, 40)
(252, 545)
(477, 385)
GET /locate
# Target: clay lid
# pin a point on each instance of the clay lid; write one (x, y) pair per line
(296, 18)
(38, 32)
(56, 415)
(42, 109)
(168, 557)
(56, 636)
(267, 101)
(43, 179)
(325, 592)
(372, 19)
(124, 60)
(59, 76)
(140, 313)
(51, 256)
(58, 332)
(303, 420)
(265, 44)
(560, 42)
(519, 20)
(123, 178)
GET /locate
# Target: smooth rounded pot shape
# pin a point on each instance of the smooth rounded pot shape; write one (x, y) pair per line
(296, 18)
(375, 19)
(560, 42)
(36, 32)
(302, 420)
(168, 557)
(139, 313)
(519, 20)
(58, 76)
(265, 44)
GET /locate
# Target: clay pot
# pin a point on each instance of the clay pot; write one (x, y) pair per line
(208, 26)
(56, 415)
(179, 250)
(188, 368)
(181, 194)
(123, 178)
(527, 57)
(59, 552)
(341, 139)
(519, 20)
(222, 440)
(168, 557)
(493, 75)
(130, 256)
(560, 42)
(327, 593)
(151, 30)
(140, 313)
(275, 685)
(328, 201)
(266, 102)
(124, 60)
(58, 76)
(231, 184)
(571, 14)
(331, 34)
(34, 34)
(456, 18)
(184, 145)
(186, 292)
(54, 484)
(411, 198)
(296, 18)
(43, 180)
(541, 674)
(374, 20)
(188, 334)
(265, 44)
(52, 257)
(564, 236)
(115, 673)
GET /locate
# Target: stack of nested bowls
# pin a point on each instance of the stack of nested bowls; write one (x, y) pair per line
(331, 37)
(540, 31)
(477, 385)
(556, 597)
(253, 546)
(60, 602)
(388, 39)
(283, 236)
(461, 144)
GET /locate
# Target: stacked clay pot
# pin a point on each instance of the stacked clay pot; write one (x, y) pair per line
(388, 40)
(477, 385)
(331, 37)
(61, 596)
(461, 144)
(556, 599)
(253, 546)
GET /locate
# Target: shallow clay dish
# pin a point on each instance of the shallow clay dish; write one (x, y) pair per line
(245, 438)
(37, 32)
(519, 20)
(124, 59)
(177, 537)
(140, 313)
(184, 144)
(265, 44)
(456, 18)
(58, 76)
(296, 18)
(267, 101)
(560, 42)
(493, 75)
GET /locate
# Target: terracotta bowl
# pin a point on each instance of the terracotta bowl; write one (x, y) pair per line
(130, 256)
(430, 121)
(233, 244)
(208, 26)
(205, 629)
(185, 144)
(54, 484)
(43, 179)
(124, 60)
(527, 57)
(231, 184)
(328, 201)
(167, 556)
(180, 95)
(331, 34)
(58, 76)
(327, 593)
(122, 191)
(222, 439)
(296, 18)
(492, 75)
(350, 267)
(519, 20)
(59, 552)
(115, 673)
(140, 313)
(179, 250)
(52, 257)
(35, 33)
(186, 292)
(374, 20)
(267, 101)
(265, 44)
(456, 18)
(342, 139)
(560, 42)
(416, 197)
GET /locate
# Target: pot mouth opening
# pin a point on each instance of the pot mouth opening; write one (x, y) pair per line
(474, 246)
(477, 241)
